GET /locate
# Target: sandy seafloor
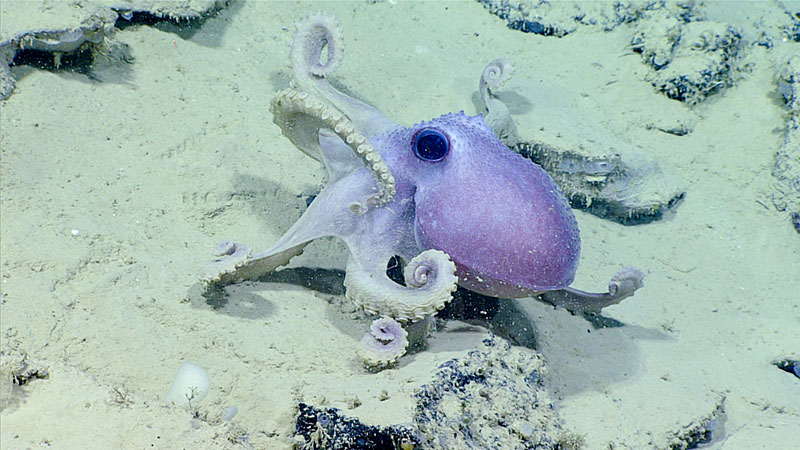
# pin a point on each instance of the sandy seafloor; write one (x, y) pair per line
(155, 162)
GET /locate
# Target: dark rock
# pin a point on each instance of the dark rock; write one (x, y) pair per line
(326, 428)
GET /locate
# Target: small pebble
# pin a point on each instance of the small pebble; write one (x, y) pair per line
(525, 429)
(229, 413)
(324, 419)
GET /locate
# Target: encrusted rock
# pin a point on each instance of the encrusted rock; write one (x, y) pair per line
(785, 194)
(63, 29)
(492, 398)
(690, 61)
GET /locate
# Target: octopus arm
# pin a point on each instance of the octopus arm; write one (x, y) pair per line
(330, 214)
(498, 116)
(319, 33)
(622, 285)
(430, 281)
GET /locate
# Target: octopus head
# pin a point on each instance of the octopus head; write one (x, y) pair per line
(498, 215)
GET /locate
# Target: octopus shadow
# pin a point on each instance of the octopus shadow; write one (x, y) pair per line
(503, 317)
(239, 300)
(243, 299)
(517, 104)
(582, 355)
(582, 358)
(270, 201)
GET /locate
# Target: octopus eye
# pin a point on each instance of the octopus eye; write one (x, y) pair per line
(431, 145)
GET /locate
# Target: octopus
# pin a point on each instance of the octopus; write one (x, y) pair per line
(445, 197)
